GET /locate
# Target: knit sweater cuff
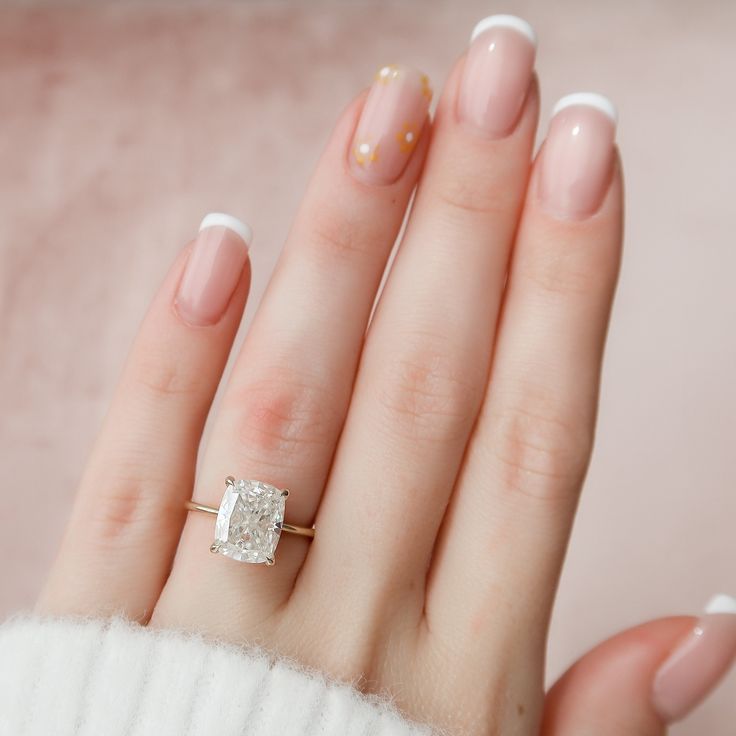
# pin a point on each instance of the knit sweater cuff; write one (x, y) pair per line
(71, 676)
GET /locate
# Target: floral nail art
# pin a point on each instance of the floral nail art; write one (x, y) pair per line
(390, 124)
(365, 152)
(407, 137)
(426, 87)
(388, 73)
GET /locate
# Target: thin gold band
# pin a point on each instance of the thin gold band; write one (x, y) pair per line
(302, 531)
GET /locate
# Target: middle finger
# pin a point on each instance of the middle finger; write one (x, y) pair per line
(424, 368)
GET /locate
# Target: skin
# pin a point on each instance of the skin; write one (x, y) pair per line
(440, 447)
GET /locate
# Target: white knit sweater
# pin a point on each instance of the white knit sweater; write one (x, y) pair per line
(112, 678)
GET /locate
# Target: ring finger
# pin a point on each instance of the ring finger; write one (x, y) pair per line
(284, 407)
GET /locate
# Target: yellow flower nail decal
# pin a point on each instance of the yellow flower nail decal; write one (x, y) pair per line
(407, 137)
(426, 88)
(365, 152)
(387, 73)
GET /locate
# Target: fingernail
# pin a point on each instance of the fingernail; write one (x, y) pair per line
(497, 74)
(213, 269)
(577, 158)
(699, 662)
(390, 125)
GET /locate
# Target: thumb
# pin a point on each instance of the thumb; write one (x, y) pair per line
(644, 678)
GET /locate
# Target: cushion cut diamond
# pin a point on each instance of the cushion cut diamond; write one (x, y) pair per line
(248, 522)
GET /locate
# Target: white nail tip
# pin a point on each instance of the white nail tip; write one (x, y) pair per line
(219, 219)
(721, 603)
(588, 99)
(504, 21)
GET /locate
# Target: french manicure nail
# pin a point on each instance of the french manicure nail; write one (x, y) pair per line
(699, 662)
(577, 157)
(213, 269)
(390, 125)
(497, 74)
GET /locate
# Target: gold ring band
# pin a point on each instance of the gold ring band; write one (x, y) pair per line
(302, 531)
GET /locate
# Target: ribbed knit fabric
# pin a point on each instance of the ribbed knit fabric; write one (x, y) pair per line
(113, 678)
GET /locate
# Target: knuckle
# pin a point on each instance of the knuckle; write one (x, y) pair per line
(541, 454)
(161, 378)
(285, 416)
(562, 271)
(127, 510)
(332, 236)
(472, 195)
(428, 396)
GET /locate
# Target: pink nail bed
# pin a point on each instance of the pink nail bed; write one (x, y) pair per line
(213, 270)
(390, 125)
(497, 74)
(577, 157)
(699, 662)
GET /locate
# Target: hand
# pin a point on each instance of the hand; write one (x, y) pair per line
(439, 447)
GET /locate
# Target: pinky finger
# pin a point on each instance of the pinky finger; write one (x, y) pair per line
(645, 678)
(127, 518)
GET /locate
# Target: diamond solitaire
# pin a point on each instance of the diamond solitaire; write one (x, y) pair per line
(250, 521)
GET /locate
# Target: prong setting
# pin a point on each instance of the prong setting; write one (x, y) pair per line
(248, 521)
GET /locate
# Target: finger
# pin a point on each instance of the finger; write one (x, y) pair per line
(505, 535)
(424, 367)
(644, 678)
(607, 692)
(285, 404)
(128, 514)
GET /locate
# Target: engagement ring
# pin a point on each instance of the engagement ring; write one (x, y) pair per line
(250, 521)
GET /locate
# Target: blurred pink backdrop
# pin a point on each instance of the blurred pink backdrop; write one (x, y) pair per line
(121, 124)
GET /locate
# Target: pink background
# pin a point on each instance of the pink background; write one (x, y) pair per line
(120, 125)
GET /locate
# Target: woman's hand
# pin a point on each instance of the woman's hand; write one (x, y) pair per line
(439, 447)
